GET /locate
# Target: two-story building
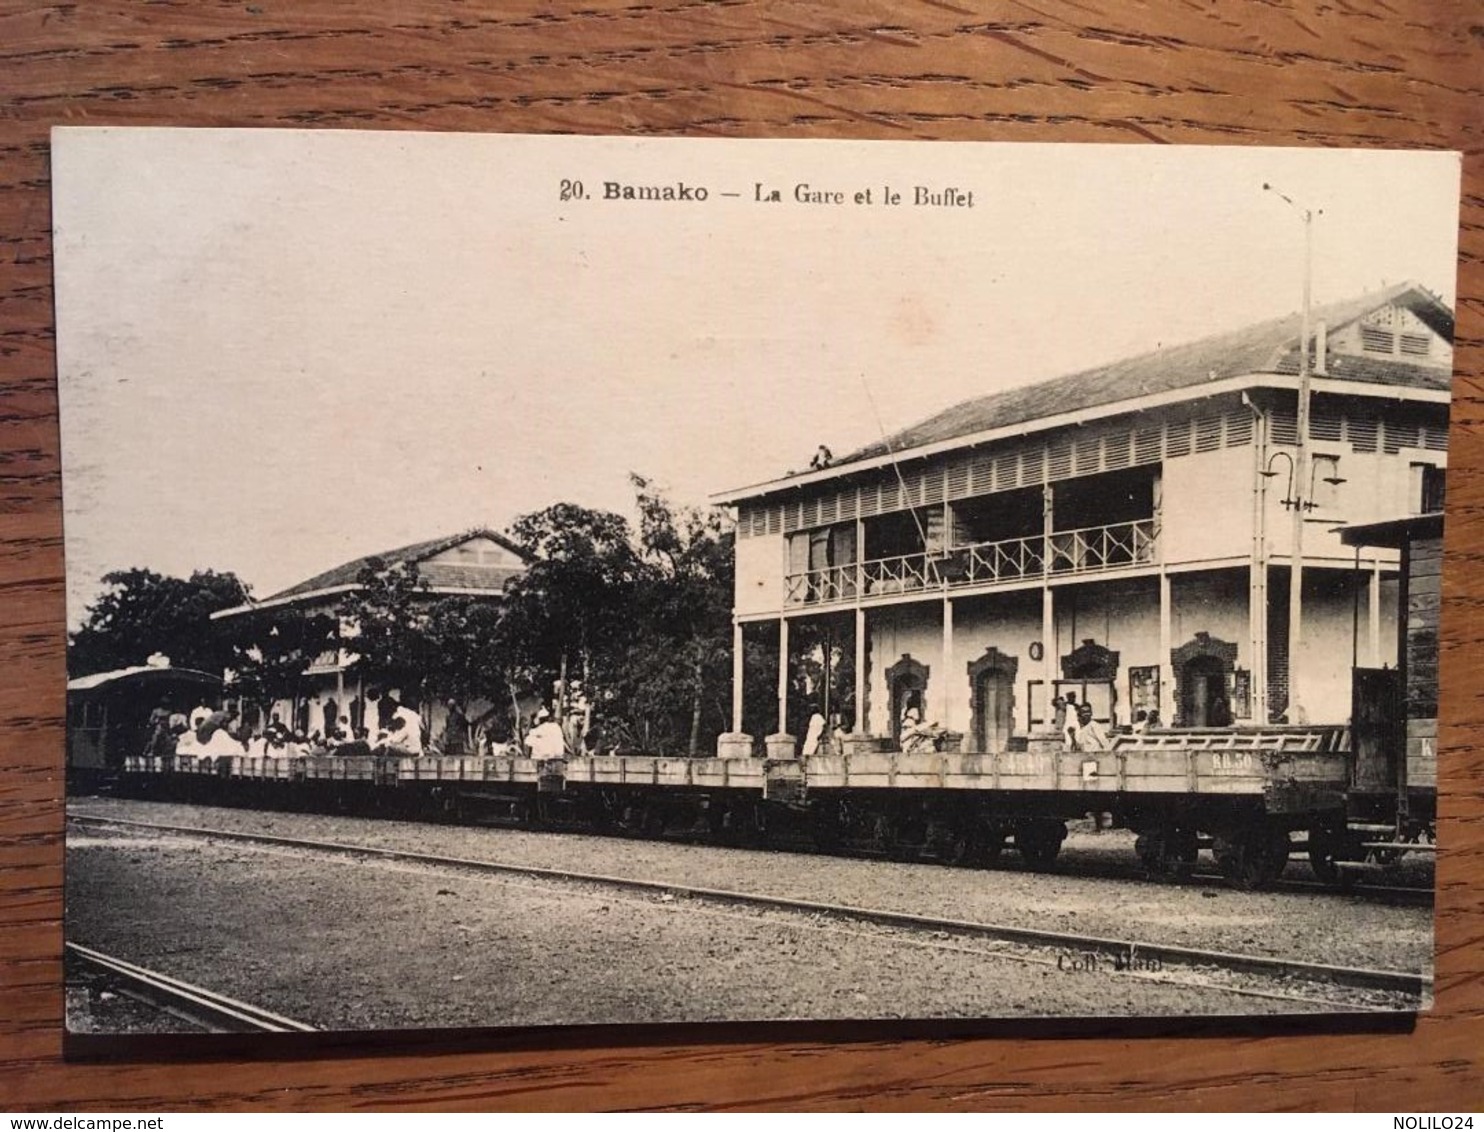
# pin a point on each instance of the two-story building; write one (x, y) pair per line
(478, 563)
(1123, 534)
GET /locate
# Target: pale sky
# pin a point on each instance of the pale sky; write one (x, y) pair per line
(280, 350)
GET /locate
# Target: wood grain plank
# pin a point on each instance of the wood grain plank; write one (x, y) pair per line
(1405, 73)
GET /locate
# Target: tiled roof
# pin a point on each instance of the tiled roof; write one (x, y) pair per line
(1264, 348)
(440, 576)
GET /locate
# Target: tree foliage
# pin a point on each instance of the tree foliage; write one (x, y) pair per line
(569, 612)
(272, 649)
(641, 618)
(677, 670)
(390, 642)
(142, 612)
(638, 617)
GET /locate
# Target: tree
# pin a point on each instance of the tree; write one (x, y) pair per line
(686, 610)
(390, 642)
(569, 612)
(141, 613)
(473, 658)
(273, 648)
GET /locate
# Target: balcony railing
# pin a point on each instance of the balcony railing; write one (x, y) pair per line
(1086, 550)
(1103, 548)
(832, 583)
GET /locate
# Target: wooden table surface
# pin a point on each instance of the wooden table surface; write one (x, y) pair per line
(1395, 73)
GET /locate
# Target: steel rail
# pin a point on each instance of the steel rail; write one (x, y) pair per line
(215, 1011)
(1415, 984)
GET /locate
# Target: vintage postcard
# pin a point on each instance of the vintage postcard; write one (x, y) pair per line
(521, 581)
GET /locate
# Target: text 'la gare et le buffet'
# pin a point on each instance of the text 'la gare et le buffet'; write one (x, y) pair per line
(682, 192)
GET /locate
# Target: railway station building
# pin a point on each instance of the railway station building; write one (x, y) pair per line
(1125, 534)
(478, 563)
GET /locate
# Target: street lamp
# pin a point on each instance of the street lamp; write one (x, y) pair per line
(1299, 474)
(1308, 502)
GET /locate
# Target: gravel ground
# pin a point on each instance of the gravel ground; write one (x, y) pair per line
(347, 944)
(1312, 926)
(94, 1006)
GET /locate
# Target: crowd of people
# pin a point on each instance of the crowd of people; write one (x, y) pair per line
(399, 731)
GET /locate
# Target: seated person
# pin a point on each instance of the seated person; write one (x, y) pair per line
(276, 731)
(918, 737)
(1089, 735)
(186, 744)
(399, 740)
(545, 740)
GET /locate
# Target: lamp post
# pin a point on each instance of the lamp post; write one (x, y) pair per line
(1300, 468)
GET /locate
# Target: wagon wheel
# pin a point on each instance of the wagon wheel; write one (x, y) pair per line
(959, 846)
(450, 807)
(1251, 858)
(884, 831)
(1039, 842)
(827, 826)
(1167, 852)
(600, 813)
(991, 845)
(655, 819)
(718, 819)
(1328, 846)
(1152, 846)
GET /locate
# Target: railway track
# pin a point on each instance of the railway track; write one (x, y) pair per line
(1285, 978)
(211, 1011)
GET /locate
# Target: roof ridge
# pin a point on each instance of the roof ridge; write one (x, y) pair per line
(1255, 347)
(348, 572)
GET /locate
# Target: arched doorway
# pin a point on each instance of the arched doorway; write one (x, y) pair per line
(906, 681)
(992, 694)
(1202, 684)
(1203, 670)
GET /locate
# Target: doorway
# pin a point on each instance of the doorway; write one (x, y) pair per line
(992, 696)
(1203, 668)
(907, 681)
(1202, 692)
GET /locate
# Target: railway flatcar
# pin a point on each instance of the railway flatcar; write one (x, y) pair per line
(1358, 796)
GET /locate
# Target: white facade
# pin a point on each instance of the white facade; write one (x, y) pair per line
(1140, 554)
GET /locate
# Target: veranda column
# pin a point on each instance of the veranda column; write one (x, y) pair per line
(1048, 651)
(861, 727)
(782, 675)
(736, 676)
(946, 714)
(1048, 603)
(1375, 613)
(1166, 668)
